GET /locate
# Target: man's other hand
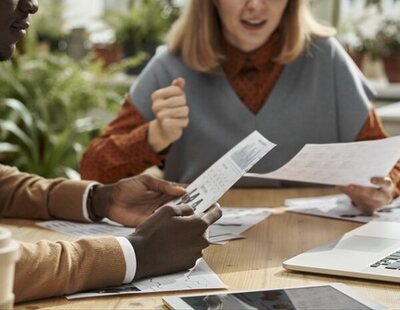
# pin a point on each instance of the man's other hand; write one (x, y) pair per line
(171, 240)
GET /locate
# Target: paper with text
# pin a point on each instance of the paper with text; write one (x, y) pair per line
(225, 172)
(235, 221)
(340, 207)
(230, 226)
(200, 277)
(106, 228)
(339, 163)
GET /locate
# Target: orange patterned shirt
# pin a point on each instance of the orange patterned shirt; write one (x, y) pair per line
(123, 150)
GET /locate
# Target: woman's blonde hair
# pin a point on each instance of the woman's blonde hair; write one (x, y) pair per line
(196, 35)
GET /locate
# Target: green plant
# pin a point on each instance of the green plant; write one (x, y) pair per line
(144, 22)
(388, 38)
(36, 148)
(45, 127)
(48, 22)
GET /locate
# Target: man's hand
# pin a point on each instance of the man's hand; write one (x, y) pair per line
(131, 201)
(171, 240)
(172, 115)
(370, 199)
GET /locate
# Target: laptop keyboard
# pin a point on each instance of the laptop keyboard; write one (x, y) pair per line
(391, 261)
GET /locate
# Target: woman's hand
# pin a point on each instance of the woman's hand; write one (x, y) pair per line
(172, 115)
(370, 199)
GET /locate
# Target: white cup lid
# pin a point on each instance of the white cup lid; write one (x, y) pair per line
(9, 249)
(5, 237)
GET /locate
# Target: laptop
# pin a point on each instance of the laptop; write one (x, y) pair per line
(371, 251)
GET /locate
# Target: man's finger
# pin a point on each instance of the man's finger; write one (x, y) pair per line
(162, 186)
(171, 211)
(212, 215)
(184, 210)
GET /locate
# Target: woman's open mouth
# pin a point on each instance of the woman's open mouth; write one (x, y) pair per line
(253, 24)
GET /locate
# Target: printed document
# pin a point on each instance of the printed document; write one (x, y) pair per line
(231, 225)
(216, 180)
(340, 207)
(234, 222)
(104, 228)
(200, 277)
(339, 163)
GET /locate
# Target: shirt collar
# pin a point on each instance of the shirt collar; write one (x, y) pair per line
(236, 60)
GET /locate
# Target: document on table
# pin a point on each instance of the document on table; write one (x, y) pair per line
(200, 277)
(339, 163)
(105, 228)
(216, 180)
(231, 225)
(234, 222)
(340, 207)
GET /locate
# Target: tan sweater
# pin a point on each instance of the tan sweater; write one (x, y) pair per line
(55, 268)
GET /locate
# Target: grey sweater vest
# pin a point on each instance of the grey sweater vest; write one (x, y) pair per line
(319, 98)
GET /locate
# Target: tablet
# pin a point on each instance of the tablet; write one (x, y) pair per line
(329, 296)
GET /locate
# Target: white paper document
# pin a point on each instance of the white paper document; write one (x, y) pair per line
(339, 163)
(340, 207)
(230, 226)
(234, 222)
(106, 228)
(216, 180)
(200, 277)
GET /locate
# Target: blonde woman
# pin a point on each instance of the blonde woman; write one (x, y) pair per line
(233, 66)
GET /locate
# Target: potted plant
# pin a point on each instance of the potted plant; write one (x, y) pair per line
(142, 27)
(358, 31)
(48, 25)
(373, 28)
(385, 43)
(46, 124)
(388, 40)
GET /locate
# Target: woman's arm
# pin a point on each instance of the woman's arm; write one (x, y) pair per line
(122, 150)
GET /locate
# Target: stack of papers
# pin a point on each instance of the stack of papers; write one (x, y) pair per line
(200, 277)
(230, 226)
(340, 207)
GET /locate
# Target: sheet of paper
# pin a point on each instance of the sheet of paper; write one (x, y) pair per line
(235, 221)
(216, 180)
(200, 277)
(339, 163)
(230, 226)
(107, 228)
(340, 207)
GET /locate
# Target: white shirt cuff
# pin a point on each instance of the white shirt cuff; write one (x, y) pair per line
(84, 201)
(130, 259)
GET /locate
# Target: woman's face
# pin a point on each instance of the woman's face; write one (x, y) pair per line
(248, 24)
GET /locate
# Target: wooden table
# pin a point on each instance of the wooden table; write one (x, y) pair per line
(251, 263)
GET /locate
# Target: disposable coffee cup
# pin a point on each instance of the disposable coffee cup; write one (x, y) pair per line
(9, 255)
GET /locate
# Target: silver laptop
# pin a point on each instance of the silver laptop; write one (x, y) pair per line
(371, 251)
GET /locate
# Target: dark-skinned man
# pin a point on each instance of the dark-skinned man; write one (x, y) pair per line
(168, 239)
